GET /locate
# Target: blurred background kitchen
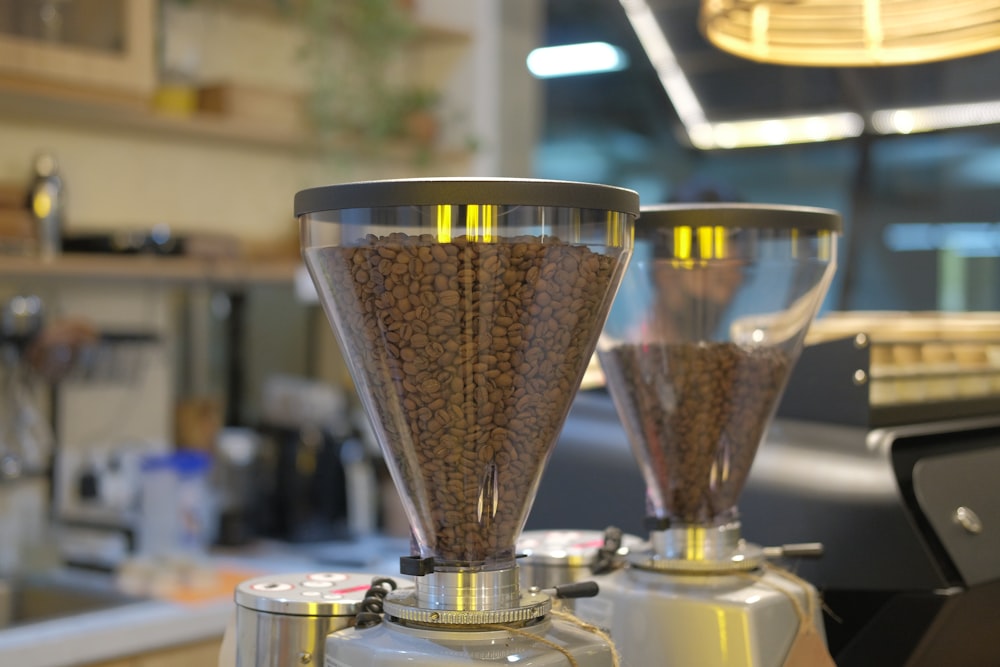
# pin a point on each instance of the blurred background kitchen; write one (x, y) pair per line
(170, 388)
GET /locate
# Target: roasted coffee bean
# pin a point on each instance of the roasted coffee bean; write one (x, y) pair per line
(699, 411)
(471, 379)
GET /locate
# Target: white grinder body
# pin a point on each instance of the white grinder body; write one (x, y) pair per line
(392, 645)
(728, 620)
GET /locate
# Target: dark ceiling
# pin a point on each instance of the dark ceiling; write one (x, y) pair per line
(632, 99)
(731, 88)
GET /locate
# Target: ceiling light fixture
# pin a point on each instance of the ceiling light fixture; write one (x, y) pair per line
(755, 132)
(707, 135)
(941, 117)
(661, 57)
(852, 33)
(549, 62)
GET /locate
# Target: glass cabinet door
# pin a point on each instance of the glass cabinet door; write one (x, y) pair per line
(97, 44)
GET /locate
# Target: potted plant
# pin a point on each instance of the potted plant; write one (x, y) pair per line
(355, 50)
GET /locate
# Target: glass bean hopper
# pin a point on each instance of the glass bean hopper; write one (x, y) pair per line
(467, 311)
(709, 321)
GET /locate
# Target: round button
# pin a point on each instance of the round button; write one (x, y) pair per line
(332, 577)
(333, 596)
(272, 586)
(317, 584)
(969, 520)
(311, 594)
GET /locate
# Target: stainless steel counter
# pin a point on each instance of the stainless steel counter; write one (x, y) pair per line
(112, 633)
(162, 622)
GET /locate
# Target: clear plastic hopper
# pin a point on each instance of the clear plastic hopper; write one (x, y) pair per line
(467, 312)
(709, 320)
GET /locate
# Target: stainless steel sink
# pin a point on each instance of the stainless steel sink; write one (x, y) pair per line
(51, 595)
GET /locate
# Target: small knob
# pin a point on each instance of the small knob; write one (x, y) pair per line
(969, 520)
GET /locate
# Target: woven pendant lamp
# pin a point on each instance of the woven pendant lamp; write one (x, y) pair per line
(852, 33)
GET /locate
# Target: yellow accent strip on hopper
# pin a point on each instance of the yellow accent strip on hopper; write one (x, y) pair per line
(444, 223)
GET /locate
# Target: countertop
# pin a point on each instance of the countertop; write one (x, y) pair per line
(172, 620)
(112, 633)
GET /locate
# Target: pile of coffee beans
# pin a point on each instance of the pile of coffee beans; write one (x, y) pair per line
(697, 412)
(469, 353)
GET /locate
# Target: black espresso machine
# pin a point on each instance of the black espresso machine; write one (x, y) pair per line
(886, 450)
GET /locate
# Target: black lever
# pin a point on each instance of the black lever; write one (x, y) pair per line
(580, 589)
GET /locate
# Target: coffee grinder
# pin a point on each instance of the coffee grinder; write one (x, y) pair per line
(709, 320)
(283, 619)
(467, 311)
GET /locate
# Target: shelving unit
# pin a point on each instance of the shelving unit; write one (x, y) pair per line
(151, 268)
(46, 99)
(40, 102)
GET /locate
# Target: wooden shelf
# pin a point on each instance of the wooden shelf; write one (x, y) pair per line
(152, 268)
(35, 101)
(38, 101)
(426, 31)
(111, 110)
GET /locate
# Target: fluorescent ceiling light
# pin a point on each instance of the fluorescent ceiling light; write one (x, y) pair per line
(776, 131)
(576, 59)
(942, 117)
(654, 42)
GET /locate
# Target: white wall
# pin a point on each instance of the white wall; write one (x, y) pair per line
(119, 178)
(124, 178)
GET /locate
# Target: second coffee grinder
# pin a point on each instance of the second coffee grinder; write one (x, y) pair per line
(709, 320)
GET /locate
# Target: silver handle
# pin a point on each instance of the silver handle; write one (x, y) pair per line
(800, 550)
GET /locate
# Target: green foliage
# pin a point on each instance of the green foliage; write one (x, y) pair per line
(355, 52)
(353, 48)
